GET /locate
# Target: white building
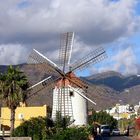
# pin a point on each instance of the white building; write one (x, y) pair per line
(123, 111)
(69, 101)
(74, 105)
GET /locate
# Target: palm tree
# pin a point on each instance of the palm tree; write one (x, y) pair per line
(13, 85)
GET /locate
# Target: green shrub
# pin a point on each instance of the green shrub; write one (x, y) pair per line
(103, 118)
(61, 122)
(43, 129)
(72, 134)
(37, 128)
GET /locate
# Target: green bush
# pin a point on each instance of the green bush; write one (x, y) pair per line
(103, 118)
(43, 129)
(37, 128)
(75, 133)
(61, 122)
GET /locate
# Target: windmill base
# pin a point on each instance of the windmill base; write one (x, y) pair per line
(70, 104)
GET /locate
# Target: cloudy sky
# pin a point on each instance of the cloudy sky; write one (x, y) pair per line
(113, 24)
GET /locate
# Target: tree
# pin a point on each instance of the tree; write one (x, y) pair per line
(103, 118)
(38, 128)
(13, 84)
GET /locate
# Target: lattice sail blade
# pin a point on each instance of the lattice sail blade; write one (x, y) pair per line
(82, 95)
(37, 58)
(94, 57)
(66, 44)
(41, 85)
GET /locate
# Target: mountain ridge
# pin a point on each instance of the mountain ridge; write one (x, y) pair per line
(112, 78)
(101, 90)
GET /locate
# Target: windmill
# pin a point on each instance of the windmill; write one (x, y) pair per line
(68, 90)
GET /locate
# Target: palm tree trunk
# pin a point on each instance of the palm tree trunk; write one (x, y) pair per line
(12, 120)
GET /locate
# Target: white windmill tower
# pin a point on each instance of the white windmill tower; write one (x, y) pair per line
(69, 91)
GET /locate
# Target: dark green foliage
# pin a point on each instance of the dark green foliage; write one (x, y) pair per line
(37, 128)
(64, 133)
(61, 122)
(72, 134)
(41, 129)
(13, 84)
(103, 118)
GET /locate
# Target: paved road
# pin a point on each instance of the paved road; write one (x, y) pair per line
(116, 138)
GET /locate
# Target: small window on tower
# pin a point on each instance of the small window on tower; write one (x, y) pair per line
(71, 93)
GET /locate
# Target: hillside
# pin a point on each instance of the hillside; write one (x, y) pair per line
(99, 94)
(114, 80)
(106, 89)
(131, 95)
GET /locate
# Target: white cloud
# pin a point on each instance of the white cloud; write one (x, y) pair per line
(12, 54)
(37, 23)
(123, 61)
(126, 58)
(97, 21)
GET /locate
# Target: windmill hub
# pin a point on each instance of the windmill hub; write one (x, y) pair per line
(71, 80)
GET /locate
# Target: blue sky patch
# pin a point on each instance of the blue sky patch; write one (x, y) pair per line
(24, 4)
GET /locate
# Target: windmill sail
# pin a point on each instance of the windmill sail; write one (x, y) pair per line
(39, 86)
(42, 83)
(78, 92)
(38, 58)
(45, 83)
(66, 49)
(93, 57)
(62, 102)
(68, 91)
